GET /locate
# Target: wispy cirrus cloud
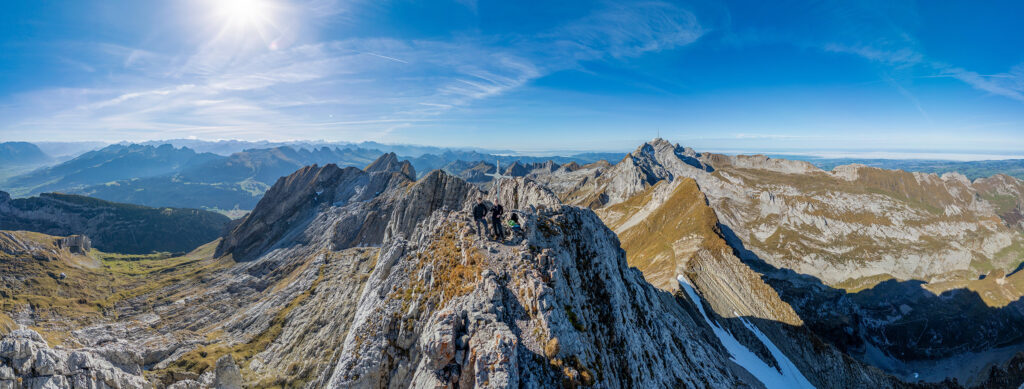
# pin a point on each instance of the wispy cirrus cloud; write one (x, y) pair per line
(901, 57)
(1009, 84)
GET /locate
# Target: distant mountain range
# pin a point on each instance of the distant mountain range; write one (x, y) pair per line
(228, 147)
(108, 164)
(225, 183)
(169, 176)
(233, 175)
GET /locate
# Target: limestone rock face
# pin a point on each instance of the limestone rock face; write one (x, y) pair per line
(1006, 197)
(294, 200)
(75, 244)
(810, 234)
(413, 298)
(842, 227)
(27, 361)
(227, 375)
(522, 193)
(443, 307)
(389, 163)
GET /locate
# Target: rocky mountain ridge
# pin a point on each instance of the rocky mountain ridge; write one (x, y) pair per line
(347, 277)
(850, 228)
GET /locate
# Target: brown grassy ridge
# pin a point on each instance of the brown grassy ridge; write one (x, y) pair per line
(6, 324)
(650, 244)
(453, 276)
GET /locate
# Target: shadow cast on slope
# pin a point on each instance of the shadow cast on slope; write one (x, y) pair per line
(897, 325)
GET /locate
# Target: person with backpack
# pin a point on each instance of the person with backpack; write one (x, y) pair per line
(514, 226)
(496, 211)
(480, 217)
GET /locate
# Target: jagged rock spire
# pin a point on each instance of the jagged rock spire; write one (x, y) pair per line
(389, 163)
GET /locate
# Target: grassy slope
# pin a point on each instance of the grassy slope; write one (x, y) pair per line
(86, 294)
(669, 235)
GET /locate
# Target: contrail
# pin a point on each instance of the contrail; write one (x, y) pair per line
(386, 57)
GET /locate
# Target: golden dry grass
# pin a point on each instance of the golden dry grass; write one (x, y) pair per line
(85, 294)
(654, 244)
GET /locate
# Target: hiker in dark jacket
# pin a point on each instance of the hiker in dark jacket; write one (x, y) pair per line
(480, 217)
(499, 233)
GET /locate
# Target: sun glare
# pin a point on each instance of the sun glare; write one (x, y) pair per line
(244, 13)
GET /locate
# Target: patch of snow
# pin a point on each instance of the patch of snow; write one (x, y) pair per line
(787, 376)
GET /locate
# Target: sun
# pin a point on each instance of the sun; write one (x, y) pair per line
(244, 13)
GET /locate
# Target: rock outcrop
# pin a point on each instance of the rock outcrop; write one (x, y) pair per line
(443, 308)
(24, 244)
(75, 244)
(389, 163)
(27, 361)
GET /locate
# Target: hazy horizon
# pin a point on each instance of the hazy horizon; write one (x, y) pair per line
(894, 154)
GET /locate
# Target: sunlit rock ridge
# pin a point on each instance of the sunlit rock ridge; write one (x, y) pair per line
(669, 268)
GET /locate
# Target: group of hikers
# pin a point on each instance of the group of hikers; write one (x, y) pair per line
(480, 212)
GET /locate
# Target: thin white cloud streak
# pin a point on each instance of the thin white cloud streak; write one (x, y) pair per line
(631, 30)
(388, 58)
(908, 95)
(1009, 84)
(902, 57)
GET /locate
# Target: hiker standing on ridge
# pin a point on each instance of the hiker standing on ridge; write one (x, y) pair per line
(480, 217)
(499, 233)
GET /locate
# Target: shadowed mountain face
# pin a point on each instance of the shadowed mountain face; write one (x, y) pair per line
(681, 212)
(112, 227)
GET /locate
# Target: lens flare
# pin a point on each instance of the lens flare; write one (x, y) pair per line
(244, 13)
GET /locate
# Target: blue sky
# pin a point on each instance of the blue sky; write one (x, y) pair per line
(809, 76)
